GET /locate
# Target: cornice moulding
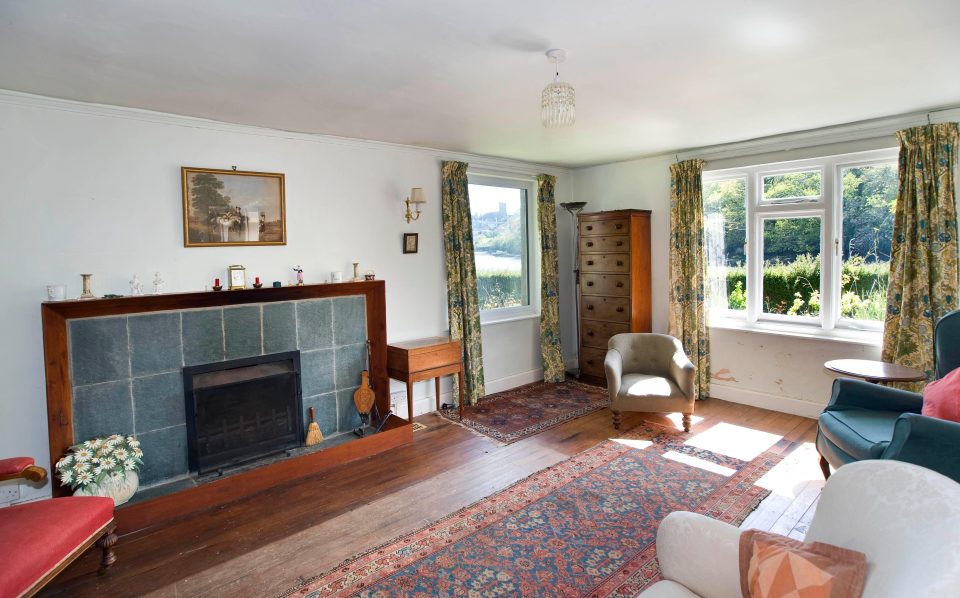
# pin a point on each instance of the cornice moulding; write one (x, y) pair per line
(28, 100)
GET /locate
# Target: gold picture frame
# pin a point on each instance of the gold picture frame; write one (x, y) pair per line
(236, 277)
(227, 208)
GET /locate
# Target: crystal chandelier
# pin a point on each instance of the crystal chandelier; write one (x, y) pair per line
(558, 101)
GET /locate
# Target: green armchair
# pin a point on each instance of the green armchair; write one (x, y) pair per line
(868, 421)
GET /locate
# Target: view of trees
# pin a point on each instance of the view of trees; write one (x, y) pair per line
(791, 269)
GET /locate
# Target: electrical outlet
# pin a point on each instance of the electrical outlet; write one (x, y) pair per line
(9, 493)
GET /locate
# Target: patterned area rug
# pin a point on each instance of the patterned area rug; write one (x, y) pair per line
(520, 412)
(584, 527)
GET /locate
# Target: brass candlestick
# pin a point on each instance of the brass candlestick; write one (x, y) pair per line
(87, 293)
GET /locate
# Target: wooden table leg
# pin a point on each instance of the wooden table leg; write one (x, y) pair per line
(410, 401)
(437, 380)
(460, 377)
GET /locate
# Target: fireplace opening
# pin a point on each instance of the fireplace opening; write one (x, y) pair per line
(242, 410)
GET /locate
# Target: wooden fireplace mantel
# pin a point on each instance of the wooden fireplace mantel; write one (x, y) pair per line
(60, 401)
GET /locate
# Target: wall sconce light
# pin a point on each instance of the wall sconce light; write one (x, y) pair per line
(417, 197)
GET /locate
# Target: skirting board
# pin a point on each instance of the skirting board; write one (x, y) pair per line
(426, 403)
(765, 400)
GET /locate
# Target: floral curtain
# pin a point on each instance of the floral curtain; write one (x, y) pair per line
(923, 261)
(462, 304)
(550, 348)
(688, 264)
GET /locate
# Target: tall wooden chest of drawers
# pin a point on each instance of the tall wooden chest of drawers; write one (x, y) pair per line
(614, 283)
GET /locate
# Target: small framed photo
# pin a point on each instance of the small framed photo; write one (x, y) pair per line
(411, 242)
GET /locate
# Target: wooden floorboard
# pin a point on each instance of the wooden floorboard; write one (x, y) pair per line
(261, 545)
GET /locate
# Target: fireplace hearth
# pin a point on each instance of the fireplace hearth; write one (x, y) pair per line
(242, 410)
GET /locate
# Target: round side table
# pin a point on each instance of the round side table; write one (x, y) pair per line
(875, 371)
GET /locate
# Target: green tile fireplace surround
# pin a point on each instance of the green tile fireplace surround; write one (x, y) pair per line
(127, 370)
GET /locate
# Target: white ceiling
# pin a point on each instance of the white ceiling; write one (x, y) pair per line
(650, 76)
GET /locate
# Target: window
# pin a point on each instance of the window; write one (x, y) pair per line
(501, 216)
(725, 220)
(805, 242)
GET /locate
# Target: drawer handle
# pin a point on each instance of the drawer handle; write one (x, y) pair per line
(619, 226)
(589, 228)
(589, 243)
(589, 262)
(619, 285)
(619, 262)
(590, 308)
(590, 333)
(590, 284)
(619, 243)
(619, 310)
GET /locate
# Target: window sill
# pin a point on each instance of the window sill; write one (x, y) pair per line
(494, 319)
(842, 335)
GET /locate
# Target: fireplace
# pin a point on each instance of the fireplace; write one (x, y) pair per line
(242, 410)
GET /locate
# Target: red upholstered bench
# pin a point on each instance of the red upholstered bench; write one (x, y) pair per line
(39, 539)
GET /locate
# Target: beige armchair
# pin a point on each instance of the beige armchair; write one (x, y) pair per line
(649, 373)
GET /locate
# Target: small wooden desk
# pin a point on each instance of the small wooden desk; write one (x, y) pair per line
(875, 371)
(423, 359)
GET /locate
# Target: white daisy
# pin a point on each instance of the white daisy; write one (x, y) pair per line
(82, 466)
(121, 454)
(137, 452)
(134, 443)
(83, 455)
(84, 478)
(97, 470)
(88, 444)
(66, 476)
(129, 464)
(108, 463)
(96, 443)
(65, 462)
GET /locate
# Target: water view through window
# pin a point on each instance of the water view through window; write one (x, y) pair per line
(499, 218)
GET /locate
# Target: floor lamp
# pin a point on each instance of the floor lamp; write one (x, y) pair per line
(575, 207)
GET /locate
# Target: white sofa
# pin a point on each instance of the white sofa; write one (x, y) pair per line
(905, 518)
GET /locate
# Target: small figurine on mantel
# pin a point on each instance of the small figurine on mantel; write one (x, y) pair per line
(158, 283)
(299, 272)
(136, 287)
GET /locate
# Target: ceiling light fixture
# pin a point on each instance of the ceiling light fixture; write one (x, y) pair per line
(558, 101)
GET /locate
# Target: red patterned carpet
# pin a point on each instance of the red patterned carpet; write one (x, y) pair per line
(520, 412)
(584, 527)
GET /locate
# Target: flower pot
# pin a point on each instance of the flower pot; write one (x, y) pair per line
(120, 490)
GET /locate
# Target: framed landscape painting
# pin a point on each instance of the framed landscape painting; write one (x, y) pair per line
(232, 207)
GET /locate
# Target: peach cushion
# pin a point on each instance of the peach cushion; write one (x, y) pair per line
(775, 566)
(941, 399)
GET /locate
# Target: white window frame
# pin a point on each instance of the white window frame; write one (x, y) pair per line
(829, 208)
(529, 184)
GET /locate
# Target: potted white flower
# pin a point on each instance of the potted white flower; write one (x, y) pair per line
(103, 467)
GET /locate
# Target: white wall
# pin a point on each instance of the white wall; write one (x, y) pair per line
(97, 189)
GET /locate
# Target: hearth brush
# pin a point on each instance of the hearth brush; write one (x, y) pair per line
(314, 435)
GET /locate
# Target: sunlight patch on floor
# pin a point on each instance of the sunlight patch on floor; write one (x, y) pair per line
(734, 441)
(799, 468)
(700, 463)
(677, 419)
(637, 444)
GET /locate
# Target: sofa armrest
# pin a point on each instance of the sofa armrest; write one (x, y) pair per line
(21, 468)
(683, 372)
(613, 366)
(927, 441)
(700, 553)
(857, 394)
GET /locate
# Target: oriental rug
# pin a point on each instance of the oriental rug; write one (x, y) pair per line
(526, 410)
(584, 527)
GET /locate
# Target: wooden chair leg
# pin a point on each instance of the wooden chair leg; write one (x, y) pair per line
(825, 467)
(616, 420)
(106, 543)
(686, 422)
